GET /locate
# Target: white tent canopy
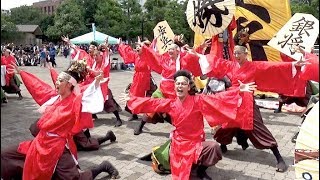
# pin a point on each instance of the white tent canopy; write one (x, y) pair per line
(98, 37)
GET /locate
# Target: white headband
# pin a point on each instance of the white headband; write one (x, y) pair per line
(73, 81)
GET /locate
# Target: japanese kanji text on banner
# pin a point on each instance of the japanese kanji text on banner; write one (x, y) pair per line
(301, 30)
(164, 36)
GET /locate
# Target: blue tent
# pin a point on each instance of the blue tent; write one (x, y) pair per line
(89, 37)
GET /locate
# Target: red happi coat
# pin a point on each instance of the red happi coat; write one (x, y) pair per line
(268, 76)
(7, 61)
(59, 122)
(141, 78)
(163, 65)
(187, 118)
(103, 66)
(79, 54)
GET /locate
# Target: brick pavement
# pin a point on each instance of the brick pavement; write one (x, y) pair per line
(16, 117)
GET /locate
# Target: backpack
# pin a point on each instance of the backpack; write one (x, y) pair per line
(161, 159)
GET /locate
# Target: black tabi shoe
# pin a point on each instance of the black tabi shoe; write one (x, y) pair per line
(94, 116)
(205, 176)
(202, 174)
(277, 111)
(224, 148)
(4, 100)
(118, 123)
(133, 117)
(111, 136)
(137, 131)
(281, 166)
(245, 145)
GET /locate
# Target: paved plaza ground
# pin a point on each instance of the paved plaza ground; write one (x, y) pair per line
(16, 117)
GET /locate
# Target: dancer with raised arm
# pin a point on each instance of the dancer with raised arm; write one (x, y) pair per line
(52, 154)
(142, 80)
(249, 117)
(188, 145)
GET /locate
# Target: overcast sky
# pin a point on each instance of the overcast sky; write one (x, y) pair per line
(8, 4)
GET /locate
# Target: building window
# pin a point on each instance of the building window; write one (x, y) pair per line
(52, 8)
(45, 10)
(49, 8)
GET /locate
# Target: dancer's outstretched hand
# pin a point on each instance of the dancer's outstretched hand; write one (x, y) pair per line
(124, 97)
(65, 39)
(301, 62)
(106, 41)
(206, 44)
(100, 79)
(248, 87)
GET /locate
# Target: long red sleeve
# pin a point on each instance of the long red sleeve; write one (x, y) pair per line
(311, 71)
(190, 62)
(147, 105)
(40, 91)
(54, 75)
(220, 67)
(152, 59)
(220, 108)
(277, 77)
(127, 54)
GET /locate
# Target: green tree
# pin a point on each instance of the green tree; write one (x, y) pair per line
(26, 15)
(109, 18)
(45, 23)
(8, 29)
(68, 20)
(89, 7)
(133, 17)
(176, 18)
(305, 6)
(154, 13)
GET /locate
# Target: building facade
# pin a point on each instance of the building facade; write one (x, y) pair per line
(30, 34)
(48, 6)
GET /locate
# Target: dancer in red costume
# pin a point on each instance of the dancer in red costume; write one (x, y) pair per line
(188, 145)
(52, 154)
(248, 115)
(99, 61)
(142, 81)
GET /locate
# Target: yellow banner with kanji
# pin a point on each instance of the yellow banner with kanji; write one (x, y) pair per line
(264, 18)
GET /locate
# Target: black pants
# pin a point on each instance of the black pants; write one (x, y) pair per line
(53, 61)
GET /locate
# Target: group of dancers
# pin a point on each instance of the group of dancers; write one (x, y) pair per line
(67, 111)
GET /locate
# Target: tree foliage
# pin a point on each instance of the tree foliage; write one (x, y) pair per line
(89, 7)
(26, 15)
(154, 13)
(8, 28)
(46, 23)
(68, 20)
(109, 18)
(176, 18)
(305, 6)
(132, 18)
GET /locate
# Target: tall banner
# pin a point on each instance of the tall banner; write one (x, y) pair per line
(300, 31)
(164, 35)
(263, 18)
(94, 31)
